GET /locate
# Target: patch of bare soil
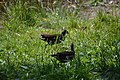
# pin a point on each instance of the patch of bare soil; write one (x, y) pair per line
(89, 11)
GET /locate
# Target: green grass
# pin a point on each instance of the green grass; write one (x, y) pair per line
(24, 56)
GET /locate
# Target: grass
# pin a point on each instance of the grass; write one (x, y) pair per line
(24, 56)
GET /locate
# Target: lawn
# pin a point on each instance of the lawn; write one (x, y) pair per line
(24, 56)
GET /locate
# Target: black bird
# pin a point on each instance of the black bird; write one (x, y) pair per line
(53, 38)
(65, 56)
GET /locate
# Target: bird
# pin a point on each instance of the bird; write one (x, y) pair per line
(54, 38)
(65, 56)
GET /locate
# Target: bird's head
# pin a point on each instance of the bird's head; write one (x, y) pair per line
(65, 32)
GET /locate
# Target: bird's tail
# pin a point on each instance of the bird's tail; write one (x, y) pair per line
(72, 47)
(42, 37)
(53, 55)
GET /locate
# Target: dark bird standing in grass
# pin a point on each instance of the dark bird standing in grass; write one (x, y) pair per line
(65, 56)
(53, 38)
